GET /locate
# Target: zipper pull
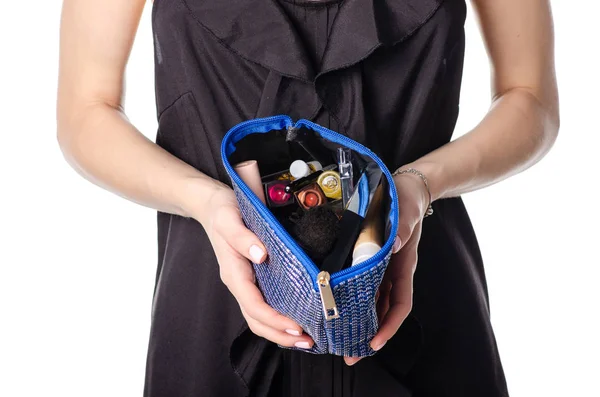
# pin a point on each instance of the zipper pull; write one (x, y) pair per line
(329, 306)
(291, 134)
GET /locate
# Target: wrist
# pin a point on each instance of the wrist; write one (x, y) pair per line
(433, 173)
(195, 194)
(414, 183)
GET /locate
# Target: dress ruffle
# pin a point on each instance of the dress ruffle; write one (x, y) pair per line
(260, 31)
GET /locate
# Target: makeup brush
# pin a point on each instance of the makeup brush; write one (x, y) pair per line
(370, 239)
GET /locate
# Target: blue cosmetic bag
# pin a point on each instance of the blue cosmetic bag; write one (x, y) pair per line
(337, 310)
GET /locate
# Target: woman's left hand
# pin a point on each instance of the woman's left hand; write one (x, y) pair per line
(394, 300)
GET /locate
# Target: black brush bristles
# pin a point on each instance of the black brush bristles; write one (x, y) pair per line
(316, 231)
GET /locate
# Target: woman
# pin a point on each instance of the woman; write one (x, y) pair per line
(386, 73)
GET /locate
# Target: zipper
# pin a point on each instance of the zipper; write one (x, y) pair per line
(325, 290)
(327, 300)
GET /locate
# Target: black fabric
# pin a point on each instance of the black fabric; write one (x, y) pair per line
(387, 73)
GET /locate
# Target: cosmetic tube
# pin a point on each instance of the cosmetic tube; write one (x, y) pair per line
(370, 239)
(248, 171)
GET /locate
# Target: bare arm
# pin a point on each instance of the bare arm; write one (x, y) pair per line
(518, 130)
(523, 121)
(94, 133)
(103, 146)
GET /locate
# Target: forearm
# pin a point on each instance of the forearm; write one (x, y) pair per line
(101, 144)
(94, 134)
(523, 121)
(516, 133)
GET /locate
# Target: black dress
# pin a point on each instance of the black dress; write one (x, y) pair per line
(387, 73)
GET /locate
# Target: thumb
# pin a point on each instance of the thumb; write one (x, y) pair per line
(243, 240)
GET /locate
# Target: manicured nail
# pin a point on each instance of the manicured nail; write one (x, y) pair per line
(293, 332)
(379, 346)
(396, 246)
(256, 253)
(352, 360)
(302, 345)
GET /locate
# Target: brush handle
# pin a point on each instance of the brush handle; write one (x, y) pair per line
(349, 228)
(370, 239)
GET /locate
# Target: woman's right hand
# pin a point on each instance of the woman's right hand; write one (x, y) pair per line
(234, 244)
(103, 146)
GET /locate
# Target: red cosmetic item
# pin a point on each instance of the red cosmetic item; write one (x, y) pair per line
(276, 194)
(311, 196)
(311, 199)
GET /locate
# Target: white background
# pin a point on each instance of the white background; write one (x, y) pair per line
(78, 263)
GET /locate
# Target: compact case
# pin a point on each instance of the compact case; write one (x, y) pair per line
(337, 310)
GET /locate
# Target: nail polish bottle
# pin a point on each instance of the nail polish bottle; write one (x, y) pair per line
(330, 183)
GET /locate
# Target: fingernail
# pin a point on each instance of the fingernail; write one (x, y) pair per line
(302, 345)
(396, 246)
(352, 360)
(256, 253)
(379, 346)
(293, 332)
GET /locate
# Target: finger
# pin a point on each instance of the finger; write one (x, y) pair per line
(400, 301)
(351, 360)
(383, 304)
(405, 231)
(391, 322)
(276, 336)
(253, 303)
(233, 230)
(408, 218)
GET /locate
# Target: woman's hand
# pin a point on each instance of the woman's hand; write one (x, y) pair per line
(234, 245)
(394, 300)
